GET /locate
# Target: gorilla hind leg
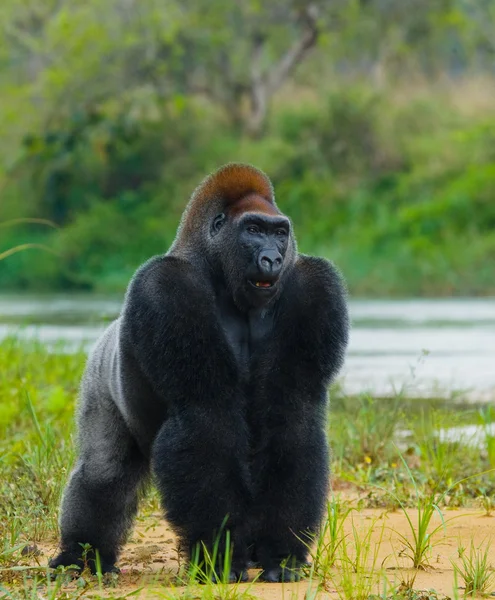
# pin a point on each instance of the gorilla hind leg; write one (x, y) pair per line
(101, 498)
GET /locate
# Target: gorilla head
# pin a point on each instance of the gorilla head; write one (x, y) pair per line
(253, 245)
(242, 235)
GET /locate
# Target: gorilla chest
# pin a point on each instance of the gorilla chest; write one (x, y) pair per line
(246, 335)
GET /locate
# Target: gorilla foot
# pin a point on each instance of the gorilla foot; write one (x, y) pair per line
(253, 564)
(235, 576)
(280, 575)
(73, 559)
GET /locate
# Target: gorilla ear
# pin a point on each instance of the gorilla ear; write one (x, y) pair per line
(217, 224)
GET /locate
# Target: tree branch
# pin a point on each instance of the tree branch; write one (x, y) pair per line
(296, 53)
(264, 85)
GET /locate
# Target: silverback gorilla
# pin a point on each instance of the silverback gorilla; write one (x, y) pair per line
(215, 375)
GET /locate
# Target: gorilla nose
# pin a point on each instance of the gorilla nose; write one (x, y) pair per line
(270, 262)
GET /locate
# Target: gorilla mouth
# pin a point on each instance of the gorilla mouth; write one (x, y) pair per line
(261, 284)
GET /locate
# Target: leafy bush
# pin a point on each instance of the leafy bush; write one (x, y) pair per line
(399, 194)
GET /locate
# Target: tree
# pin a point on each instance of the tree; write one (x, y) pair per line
(238, 53)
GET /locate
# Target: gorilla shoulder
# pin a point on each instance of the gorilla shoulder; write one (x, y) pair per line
(167, 297)
(168, 282)
(322, 283)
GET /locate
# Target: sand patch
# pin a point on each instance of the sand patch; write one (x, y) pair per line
(150, 560)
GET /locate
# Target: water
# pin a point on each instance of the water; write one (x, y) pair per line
(419, 347)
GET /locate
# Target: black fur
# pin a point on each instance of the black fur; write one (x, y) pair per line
(221, 387)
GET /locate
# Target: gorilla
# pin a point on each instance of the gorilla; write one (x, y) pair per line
(214, 378)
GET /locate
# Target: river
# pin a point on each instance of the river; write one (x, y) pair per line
(419, 347)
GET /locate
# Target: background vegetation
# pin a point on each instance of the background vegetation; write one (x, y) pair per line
(374, 118)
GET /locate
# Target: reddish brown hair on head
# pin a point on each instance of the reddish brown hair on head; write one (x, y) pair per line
(232, 183)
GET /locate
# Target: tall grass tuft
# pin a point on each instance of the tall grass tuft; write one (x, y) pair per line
(475, 570)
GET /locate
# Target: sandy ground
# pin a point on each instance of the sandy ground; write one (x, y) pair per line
(150, 557)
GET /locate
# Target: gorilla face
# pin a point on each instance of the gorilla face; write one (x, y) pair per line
(255, 256)
(263, 242)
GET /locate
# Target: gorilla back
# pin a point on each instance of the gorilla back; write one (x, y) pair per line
(215, 376)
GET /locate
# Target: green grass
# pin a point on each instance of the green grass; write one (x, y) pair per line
(360, 572)
(475, 570)
(324, 553)
(422, 534)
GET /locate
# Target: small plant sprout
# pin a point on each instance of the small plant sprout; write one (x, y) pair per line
(212, 569)
(419, 542)
(418, 549)
(358, 573)
(475, 570)
(212, 566)
(487, 504)
(330, 538)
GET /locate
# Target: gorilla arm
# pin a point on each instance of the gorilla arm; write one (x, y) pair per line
(199, 455)
(293, 473)
(324, 334)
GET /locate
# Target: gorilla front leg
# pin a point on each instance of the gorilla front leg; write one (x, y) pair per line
(100, 500)
(290, 503)
(201, 470)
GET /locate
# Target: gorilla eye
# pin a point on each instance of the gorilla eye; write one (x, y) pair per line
(281, 232)
(253, 229)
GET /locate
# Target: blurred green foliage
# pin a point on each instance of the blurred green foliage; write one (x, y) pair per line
(373, 118)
